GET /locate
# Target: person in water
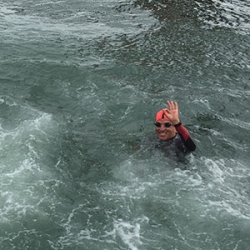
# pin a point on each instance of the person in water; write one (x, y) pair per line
(170, 130)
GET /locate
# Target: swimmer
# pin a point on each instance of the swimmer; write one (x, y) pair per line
(170, 130)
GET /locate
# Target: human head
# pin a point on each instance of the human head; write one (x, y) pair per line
(164, 133)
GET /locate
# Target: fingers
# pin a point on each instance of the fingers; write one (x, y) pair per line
(172, 105)
(166, 111)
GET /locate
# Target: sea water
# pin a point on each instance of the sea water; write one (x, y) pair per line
(80, 84)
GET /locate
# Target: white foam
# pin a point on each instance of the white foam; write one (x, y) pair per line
(129, 232)
(23, 150)
(223, 193)
(216, 169)
(229, 208)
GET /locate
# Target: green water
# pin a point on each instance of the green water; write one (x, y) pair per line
(80, 84)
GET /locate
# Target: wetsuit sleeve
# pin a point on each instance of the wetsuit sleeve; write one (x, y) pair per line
(184, 134)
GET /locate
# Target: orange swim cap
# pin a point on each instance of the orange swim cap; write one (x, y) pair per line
(160, 115)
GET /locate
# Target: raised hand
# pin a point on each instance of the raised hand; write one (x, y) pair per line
(172, 112)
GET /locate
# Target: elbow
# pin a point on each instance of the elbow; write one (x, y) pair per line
(190, 145)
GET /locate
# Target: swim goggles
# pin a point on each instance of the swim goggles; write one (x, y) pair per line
(167, 124)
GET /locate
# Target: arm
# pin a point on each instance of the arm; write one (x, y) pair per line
(173, 115)
(185, 137)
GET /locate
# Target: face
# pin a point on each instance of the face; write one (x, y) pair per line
(163, 132)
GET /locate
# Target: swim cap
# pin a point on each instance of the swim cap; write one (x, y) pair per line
(160, 115)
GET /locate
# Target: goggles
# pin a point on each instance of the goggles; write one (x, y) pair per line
(166, 125)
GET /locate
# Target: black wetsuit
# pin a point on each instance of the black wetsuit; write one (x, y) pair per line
(187, 141)
(178, 146)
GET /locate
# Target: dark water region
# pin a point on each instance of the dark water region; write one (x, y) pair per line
(80, 84)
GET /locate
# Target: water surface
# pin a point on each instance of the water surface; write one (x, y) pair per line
(80, 84)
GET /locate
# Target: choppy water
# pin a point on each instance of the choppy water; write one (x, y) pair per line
(80, 84)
